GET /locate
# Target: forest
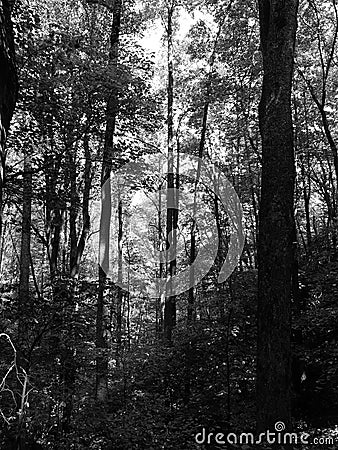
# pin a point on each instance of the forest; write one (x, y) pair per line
(168, 224)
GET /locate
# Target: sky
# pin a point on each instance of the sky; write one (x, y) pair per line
(152, 37)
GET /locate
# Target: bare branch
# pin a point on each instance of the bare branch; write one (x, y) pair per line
(311, 89)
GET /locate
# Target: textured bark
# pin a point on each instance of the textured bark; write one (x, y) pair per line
(278, 24)
(107, 162)
(8, 87)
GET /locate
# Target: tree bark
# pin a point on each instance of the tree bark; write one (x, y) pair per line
(278, 24)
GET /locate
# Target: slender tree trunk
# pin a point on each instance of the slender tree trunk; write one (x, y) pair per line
(254, 205)
(169, 319)
(295, 265)
(159, 300)
(220, 291)
(191, 313)
(278, 23)
(81, 242)
(119, 315)
(107, 161)
(191, 293)
(295, 272)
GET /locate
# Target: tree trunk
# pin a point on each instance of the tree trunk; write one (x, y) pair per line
(169, 319)
(278, 24)
(107, 161)
(119, 309)
(81, 243)
(191, 293)
(159, 300)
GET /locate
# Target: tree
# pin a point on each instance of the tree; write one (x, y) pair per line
(169, 319)
(278, 23)
(107, 164)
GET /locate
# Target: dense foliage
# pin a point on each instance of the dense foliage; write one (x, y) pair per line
(160, 394)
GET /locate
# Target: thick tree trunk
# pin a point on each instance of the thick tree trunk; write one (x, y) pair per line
(278, 23)
(107, 161)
